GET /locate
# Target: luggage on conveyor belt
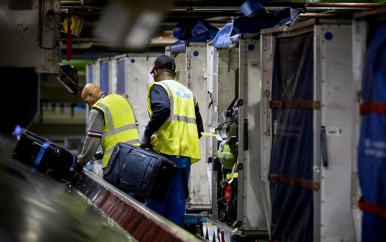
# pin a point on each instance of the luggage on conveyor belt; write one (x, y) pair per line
(136, 170)
(44, 155)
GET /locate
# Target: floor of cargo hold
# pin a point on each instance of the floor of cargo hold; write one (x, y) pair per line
(37, 207)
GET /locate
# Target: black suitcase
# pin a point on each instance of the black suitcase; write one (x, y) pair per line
(44, 155)
(142, 172)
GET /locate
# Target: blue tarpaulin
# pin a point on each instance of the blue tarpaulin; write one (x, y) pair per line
(372, 142)
(291, 162)
(256, 19)
(191, 31)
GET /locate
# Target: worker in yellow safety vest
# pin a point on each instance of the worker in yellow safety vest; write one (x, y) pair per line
(173, 130)
(111, 120)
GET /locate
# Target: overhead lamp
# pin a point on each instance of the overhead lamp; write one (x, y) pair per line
(131, 23)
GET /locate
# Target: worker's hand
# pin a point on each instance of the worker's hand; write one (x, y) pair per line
(74, 172)
(78, 167)
(145, 142)
(98, 155)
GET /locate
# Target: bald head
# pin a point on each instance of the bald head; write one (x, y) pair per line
(91, 94)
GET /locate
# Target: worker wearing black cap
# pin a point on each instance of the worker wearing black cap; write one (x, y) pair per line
(173, 130)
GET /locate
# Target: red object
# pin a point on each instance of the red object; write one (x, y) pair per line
(372, 208)
(69, 41)
(227, 192)
(373, 107)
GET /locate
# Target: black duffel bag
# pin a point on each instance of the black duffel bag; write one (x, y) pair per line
(142, 172)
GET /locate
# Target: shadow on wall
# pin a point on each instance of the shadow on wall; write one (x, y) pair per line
(20, 99)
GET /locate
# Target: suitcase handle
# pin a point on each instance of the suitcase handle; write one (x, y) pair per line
(42, 150)
(57, 151)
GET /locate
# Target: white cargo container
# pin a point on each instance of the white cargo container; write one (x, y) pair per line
(234, 73)
(333, 112)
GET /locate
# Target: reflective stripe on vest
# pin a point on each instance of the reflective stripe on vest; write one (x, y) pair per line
(126, 130)
(172, 116)
(113, 130)
(168, 139)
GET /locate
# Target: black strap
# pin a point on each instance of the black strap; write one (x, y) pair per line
(184, 180)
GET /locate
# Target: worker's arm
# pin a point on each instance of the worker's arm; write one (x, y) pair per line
(200, 125)
(160, 105)
(92, 141)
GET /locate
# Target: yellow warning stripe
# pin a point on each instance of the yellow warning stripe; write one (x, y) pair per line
(208, 134)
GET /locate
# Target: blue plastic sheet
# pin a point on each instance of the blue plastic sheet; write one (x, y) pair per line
(178, 46)
(372, 142)
(191, 31)
(292, 144)
(250, 7)
(252, 24)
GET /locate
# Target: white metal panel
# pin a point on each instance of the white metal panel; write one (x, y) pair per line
(359, 41)
(317, 196)
(335, 57)
(212, 114)
(222, 94)
(196, 64)
(138, 78)
(113, 75)
(237, 74)
(212, 63)
(267, 45)
(180, 60)
(96, 74)
(228, 70)
(254, 194)
(89, 72)
(224, 67)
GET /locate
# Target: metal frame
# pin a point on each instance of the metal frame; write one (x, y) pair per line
(212, 102)
(32, 30)
(267, 45)
(237, 71)
(49, 37)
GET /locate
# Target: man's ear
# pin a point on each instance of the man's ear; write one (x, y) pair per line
(155, 74)
(91, 96)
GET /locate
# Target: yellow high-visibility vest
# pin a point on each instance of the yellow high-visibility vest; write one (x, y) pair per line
(120, 124)
(178, 135)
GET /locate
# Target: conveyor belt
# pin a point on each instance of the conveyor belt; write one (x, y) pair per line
(37, 207)
(142, 223)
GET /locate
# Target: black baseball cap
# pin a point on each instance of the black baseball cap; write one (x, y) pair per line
(164, 62)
